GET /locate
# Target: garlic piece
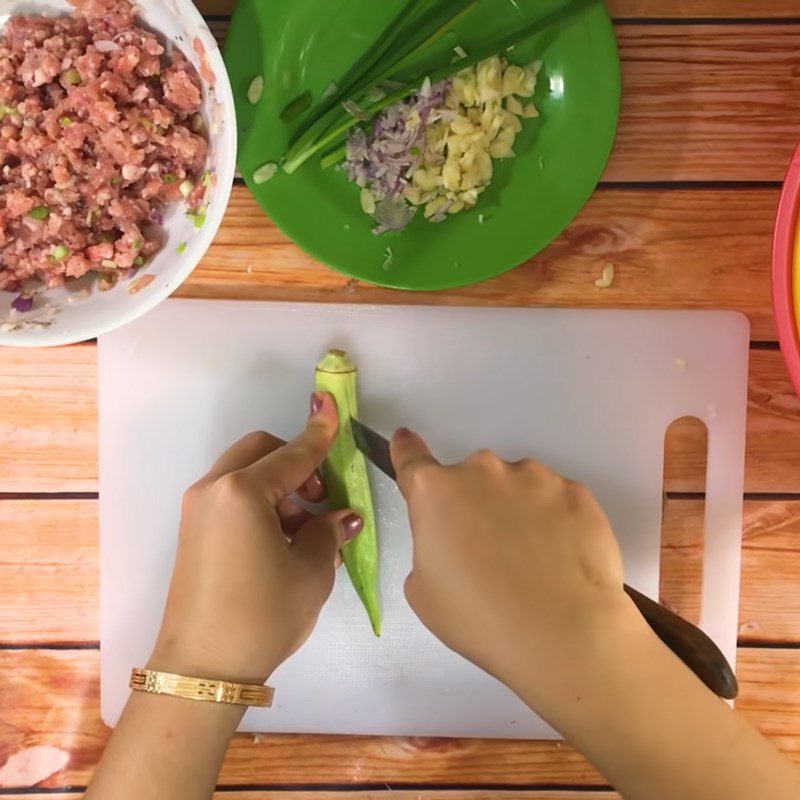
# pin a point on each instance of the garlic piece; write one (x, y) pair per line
(607, 279)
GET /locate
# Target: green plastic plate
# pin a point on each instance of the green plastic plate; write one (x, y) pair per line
(305, 44)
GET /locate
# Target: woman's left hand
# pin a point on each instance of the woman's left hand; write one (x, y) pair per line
(253, 568)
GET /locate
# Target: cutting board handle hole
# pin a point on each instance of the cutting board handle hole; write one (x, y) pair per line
(683, 517)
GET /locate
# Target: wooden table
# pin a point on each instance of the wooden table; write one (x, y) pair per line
(710, 117)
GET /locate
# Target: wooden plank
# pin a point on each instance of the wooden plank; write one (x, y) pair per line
(48, 430)
(696, 9)
(670, 248)
(390, 794)
(49, 581)
(772, 464)
(50, 699)
(702, 102)
(753, 9)
(769, 609)
(707, 102)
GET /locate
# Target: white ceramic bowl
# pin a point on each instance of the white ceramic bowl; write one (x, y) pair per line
(65, 315)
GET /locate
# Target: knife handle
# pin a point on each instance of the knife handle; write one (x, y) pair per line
(690, 644)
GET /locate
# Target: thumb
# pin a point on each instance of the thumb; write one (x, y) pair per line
(319, 540)
(286, 469)
(409, 453)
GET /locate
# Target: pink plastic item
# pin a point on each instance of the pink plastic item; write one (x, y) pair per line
(783, 252)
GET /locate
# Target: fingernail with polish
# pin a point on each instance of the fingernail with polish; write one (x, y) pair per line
(316, 404)
(352, 525)
(403, 433)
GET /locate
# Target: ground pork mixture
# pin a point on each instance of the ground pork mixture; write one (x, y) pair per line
(99, 132)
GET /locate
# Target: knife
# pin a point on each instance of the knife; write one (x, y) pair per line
(685, 640)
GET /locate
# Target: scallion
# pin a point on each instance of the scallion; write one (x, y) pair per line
(39, 212)
(334, 157)
(296, 107)
(369, 63)
(198, 218)
(413, 30)
(59, 253)
(330, 91)
(329, 128)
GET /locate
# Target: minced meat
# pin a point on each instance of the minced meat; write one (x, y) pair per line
(99, 132)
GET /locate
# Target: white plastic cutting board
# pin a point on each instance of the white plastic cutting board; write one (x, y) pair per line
(589, 392)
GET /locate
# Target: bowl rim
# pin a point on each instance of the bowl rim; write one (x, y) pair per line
(54, 337)
(783, 252)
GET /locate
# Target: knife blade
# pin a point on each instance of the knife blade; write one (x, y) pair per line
(690, 644)
(374, 446)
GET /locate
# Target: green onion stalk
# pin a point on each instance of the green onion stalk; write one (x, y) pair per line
(329, 129)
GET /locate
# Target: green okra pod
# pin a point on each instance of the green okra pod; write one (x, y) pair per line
(345, 472)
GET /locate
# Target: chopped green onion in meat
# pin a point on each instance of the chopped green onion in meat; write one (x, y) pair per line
(59, 253)
(198, 218)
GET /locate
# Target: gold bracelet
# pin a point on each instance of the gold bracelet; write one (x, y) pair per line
(209, 691)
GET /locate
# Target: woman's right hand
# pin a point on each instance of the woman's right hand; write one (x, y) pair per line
(518, 570)
(515, 568)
